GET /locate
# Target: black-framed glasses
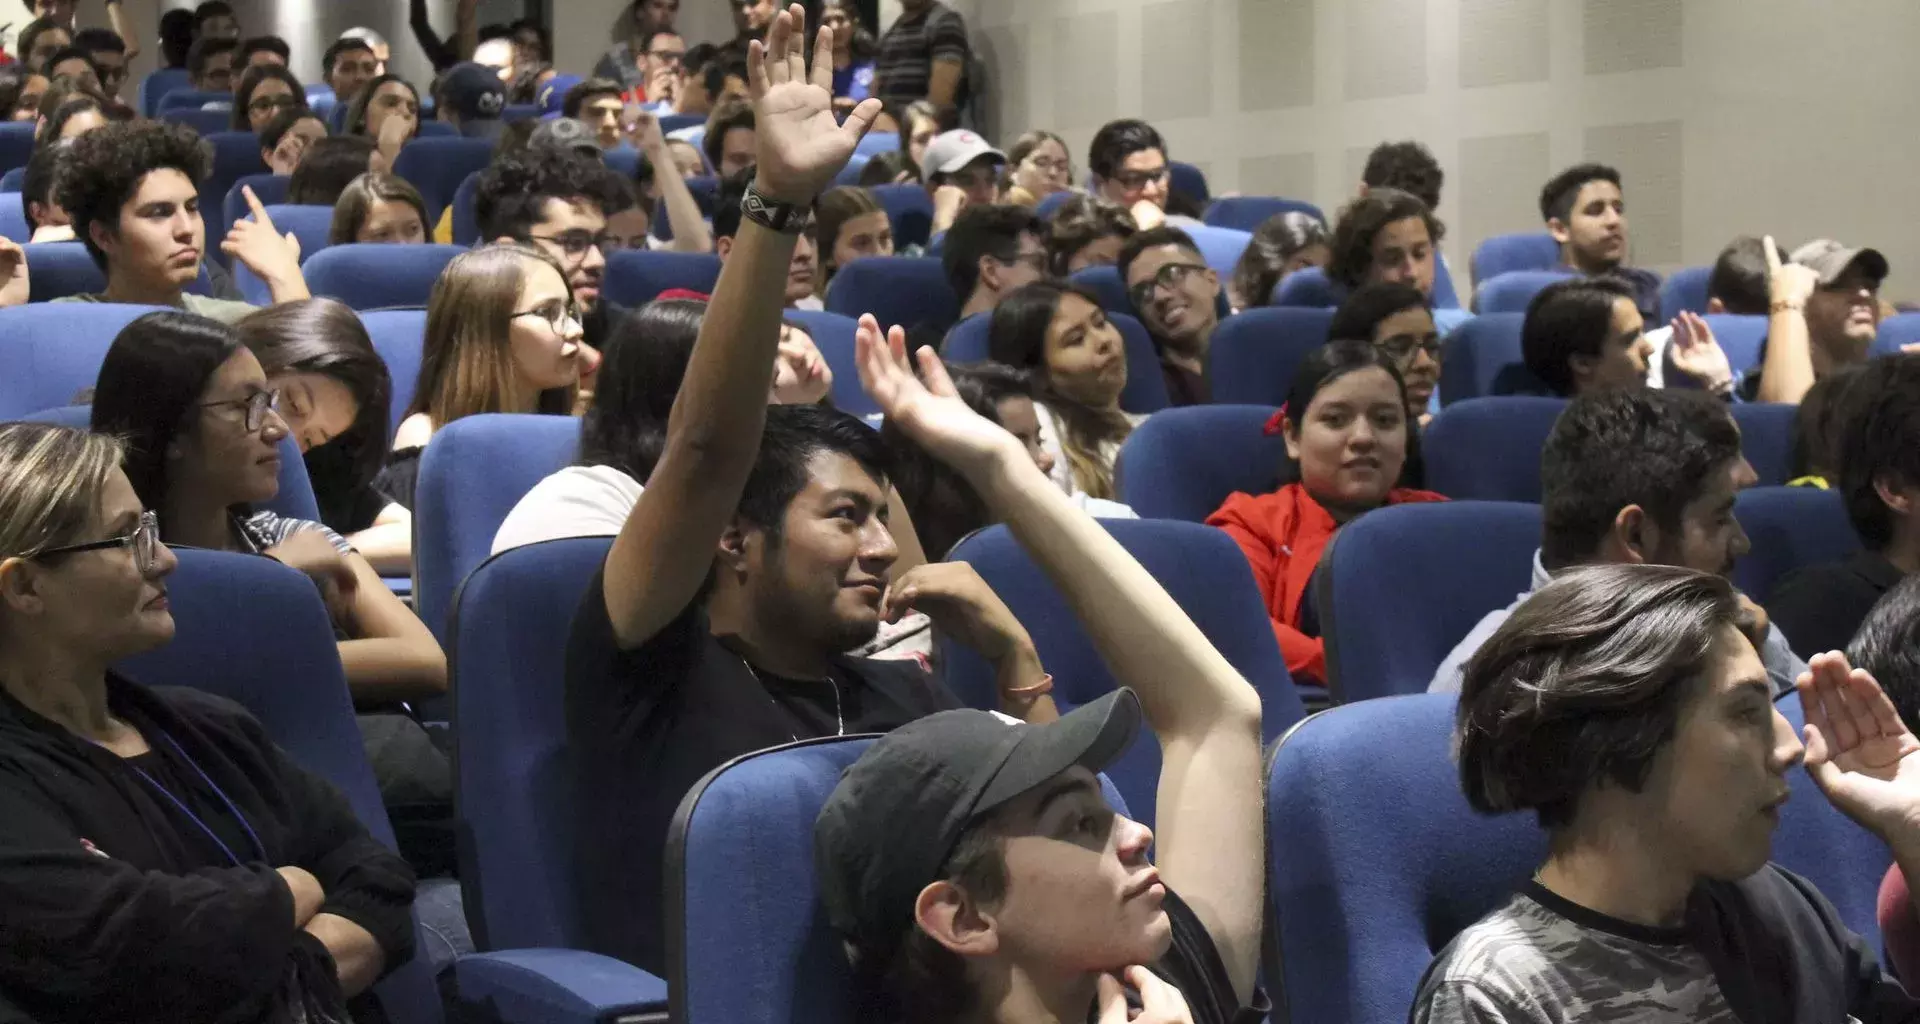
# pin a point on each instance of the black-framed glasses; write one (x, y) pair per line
(1131, 180)
(576, 243)
(256, 407)
(268, 104)
(1171, 276)
(1048, 165)
(144, 539)
(555, 316)
(1401, 347)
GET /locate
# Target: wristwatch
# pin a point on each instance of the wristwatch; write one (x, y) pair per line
(774, 215)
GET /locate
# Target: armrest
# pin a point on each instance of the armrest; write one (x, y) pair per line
(557, 986)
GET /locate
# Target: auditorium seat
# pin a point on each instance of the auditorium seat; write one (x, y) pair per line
(910, 292)
(206, 122)
(1512, 291)
(235, 155)
(310, 224)
(1247, 213)
(1503, 254)
(1220, 248)
(1105, 282)
(1200, 567)
(1789, 527)
(13, 218)
(1896, 331)
(1488, 449)
(437, 166)
(466, 229)
(1482, 358)
(369, 276)
(1766, 438)
(1253, 355)
(1742, 338)
(428, 129)
(1190, 181)
(909, 211)
(1182, 463)
(1309, 287)
(1050, 205)
(157, 84)
(1684, 289)
(634, 278)
(192, 99)
(1144, 392)
(398, 335)
(14, 180)
(832, 334)
(52, 353)
(59, 269)
(269, 188)
(16, 144)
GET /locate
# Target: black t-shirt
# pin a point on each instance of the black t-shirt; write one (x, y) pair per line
(346, 505)
(1819, 607)
(1193, 966)
(645, 725)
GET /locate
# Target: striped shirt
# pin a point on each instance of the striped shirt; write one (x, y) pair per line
(910, 47)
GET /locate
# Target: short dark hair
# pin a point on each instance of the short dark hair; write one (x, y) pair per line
(1887, 645)
(96, 40)
(578, 96)
(511, 192)
(205, 49)
(176, 37)
(76, 104)
(342, 45)
(1557, 198)
(209, 10)
(1642, 446)
(1368, 305)
(31, 34)
(329, 166)
(105, 166)
(1880, 442)
(883, 168)
(1352, 246)
(1153, 239)
(1081, 221)
(1407, 166)
(36, 188)
(356, 122)
(1117, 140)
(264, 44)
(943, 506)
(726, 117)
(67, 53)
(1584, 684)
(1566, 319)
(1276, 240)
(992, 230)
(1739, 277)
(645, 360)
(793, 435)
(1818, 423)
(153, 373)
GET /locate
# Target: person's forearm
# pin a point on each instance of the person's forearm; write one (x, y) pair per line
(1787, 371)
(388, 547)
(722, 405)
(384, 670)
(290, 286)
(690, 231)
(1021, 670)
(429, 40)
(943, 83)
(117, 19)
(358, 959)
(466, 29)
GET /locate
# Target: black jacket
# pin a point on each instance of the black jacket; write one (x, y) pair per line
(115, 905)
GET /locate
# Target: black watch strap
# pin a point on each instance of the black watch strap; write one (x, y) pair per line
(774, 215)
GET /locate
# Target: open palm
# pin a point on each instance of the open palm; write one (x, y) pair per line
(930, 412)
(799, 145)
(1858, 751)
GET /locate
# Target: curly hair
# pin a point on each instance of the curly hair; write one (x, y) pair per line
(1407, 166)
(1081, 221)
(104, 168)
(507, 202)
(1362, 219)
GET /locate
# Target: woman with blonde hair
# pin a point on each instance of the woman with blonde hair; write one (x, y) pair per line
(380, 208)
(503, 335)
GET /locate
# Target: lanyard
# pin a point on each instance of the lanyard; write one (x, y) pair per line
(258, 847)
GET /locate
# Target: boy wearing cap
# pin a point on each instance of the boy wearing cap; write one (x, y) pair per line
(1824, 314)
(971, 865)
(471, 99)
(961, 169)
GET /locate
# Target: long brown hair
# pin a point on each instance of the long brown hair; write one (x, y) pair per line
(1018, 338)
(356, 201)
(466, 367)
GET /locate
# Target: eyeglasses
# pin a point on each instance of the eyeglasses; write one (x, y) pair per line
(576, 243)
(1049, 165)
(144, 540)
(256, 406)
(267, 104)
(1401, 347)
(1131, 180)
(667, 56)
(556, 317)
(1171, 276)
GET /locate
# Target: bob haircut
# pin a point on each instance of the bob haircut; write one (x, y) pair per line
(356, 201)
(1352, 246)
(152, 377)
(1584, 684)
(466, 366)
(52, 481)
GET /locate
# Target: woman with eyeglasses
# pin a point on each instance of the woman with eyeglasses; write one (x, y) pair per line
(203, 450)
(1058, 333)
(265, 91)
(162, 860)
(1348, 438)
(503, 335)
(1037, 166)
(1395, 319)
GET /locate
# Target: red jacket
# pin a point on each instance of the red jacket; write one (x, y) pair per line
(1283, 534)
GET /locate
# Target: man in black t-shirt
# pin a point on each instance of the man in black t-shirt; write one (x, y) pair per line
(758, 552)
(970, 863)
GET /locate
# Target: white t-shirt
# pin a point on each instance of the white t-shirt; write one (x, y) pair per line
(578, 501)
(1051, 434)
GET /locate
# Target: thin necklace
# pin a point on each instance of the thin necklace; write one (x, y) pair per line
(839, 721)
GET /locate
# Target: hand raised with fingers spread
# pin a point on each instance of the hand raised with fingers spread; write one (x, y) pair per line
(1697, 353)
(930, 413)
(1788, 284)
(799, 145)
(1859, 753)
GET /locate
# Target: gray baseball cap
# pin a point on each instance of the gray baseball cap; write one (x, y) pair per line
(1830, 259)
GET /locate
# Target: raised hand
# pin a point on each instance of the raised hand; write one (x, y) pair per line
(1859, 753)
(644, 129)
(801, 375)
(931, 413)
(1697, 353)
(14, 285)
(1788, 284)
(273, 257)
(799, 145)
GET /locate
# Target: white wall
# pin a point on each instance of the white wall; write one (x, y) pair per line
(583, 29)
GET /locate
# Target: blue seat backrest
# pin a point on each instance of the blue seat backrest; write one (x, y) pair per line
(14, 180)
(874, 143)
(1766, 438)
(1896, 331)
(1182, 463)
(13, 218)
(1742, 338)
(52, 353)
(1220, 247)
(236, 155)
(367, 276)
(1503, 254)
(466, 227)
(1684, 289)
(507, 646)
(1401, 585)
(1815, 840)
(1105, 282)
(206, 122)
(1789, 527)
(1144, 392)
(1511, 291)
(270, 188)
(706, 192)
(437, 166)
(1200, 567)
(16, 144)
(1051, 205)
(60, 269)
(833, 334)
(1483, 357)
(1311, 287)
(312, 225)
(1254, 354)
(1488, 449)
(471, 475)
(634, 278)
(399, 335)
(908, 291)
(909, 211)
(255, 632)
(1188, 180)
(428, 129)
(670, 123)
(521, 112)
(748, 942)
(1444, 295)
(1249, 212)
(192, 99)
(158, 84)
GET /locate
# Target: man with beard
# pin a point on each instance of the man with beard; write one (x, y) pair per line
(559, 201)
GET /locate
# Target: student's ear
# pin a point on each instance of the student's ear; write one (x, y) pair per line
(989, 274)
(732, 550)
(1714, 305)
(723, 246)
(1290, 433)
(1896, 494)
(19, 587)
(103, 237)
(1581, 368)
(1558, 229)
(951, 918)
(1633, 538)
